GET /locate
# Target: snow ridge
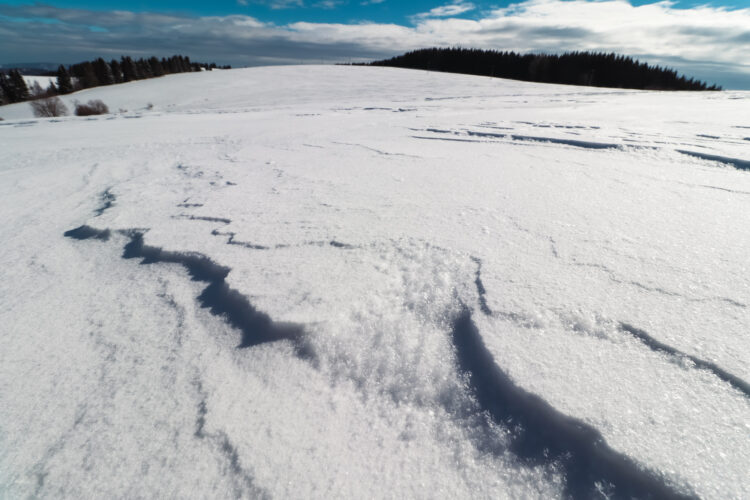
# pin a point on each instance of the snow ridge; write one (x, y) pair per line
(256, 327)
(589, 465)
(734, 162)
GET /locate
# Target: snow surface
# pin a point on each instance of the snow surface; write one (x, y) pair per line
(372, 282)
(44, 81)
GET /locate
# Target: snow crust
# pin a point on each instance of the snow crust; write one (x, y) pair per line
(598, 240)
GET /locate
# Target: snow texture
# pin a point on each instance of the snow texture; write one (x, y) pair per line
(361, 282)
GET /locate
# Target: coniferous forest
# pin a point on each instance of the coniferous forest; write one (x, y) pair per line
(96, 73)
(572, 68)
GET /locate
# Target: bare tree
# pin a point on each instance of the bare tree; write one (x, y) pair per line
(48, 107)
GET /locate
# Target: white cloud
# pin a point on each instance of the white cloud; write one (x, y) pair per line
(448, 10)
(707, 42)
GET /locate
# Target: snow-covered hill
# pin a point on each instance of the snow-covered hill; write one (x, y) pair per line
(365, 282)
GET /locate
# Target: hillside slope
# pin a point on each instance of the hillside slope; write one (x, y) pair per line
(368, 282)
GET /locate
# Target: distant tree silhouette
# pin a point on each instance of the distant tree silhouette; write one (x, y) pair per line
(64, 83)
(144, 69)
(13, 87)
(116, 71)
(22, 91)
(103, 72)
(572, 68)
(89, 74)
(85, 75)
(129, 71)
(156, 68)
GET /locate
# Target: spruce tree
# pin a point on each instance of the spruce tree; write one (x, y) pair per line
(4, 99)
(155, 66)
(116, 71)
(143, 68)
(103, 72)
(85, 74)
(129, 70)
(19, 84)
(64, 83)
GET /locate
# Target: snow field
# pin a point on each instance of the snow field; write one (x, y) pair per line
(372, 207)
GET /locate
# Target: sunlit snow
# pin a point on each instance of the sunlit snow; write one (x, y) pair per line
(349, 282)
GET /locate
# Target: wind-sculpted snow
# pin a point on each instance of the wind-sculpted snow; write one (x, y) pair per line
(735, 162)
(256, 328)
(347, 282)
(701, 364)
(545, 435)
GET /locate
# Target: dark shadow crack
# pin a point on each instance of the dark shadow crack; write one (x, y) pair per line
(244, 483)
(700, 364)
(553, 247)
(720, 188)
(338, 244)
(256, 327)
(245, 244)
(40, 469)
(612, 276)
(481, 291)
(517, 137)
(545, 435)
(231, 236)
(449, 139)
(108, 200)
(221, 220)
(87, 232)
(734, 162)
(375, 150)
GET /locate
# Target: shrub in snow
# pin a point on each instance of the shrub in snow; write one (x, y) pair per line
(93, 107)
(48, 107)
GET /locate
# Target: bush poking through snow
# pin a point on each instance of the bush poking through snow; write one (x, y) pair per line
(93, 107)
(49, 107)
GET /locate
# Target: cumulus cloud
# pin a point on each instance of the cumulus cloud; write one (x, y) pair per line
(707, 42)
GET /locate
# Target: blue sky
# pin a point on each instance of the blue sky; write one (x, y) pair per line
(335, 11)
(707, 40)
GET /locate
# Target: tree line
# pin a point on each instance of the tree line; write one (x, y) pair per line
(13, 87)
(594, 69)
